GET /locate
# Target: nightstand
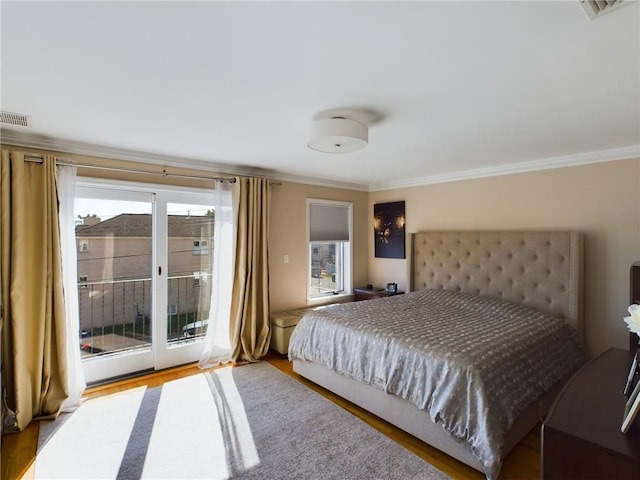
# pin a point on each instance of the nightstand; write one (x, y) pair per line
(371, 293)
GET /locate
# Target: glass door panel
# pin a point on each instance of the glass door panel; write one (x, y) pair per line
(188, 281)
(189, 274)
(114, 261)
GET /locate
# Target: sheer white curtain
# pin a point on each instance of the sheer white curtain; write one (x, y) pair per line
(66, 186)
(217, 344)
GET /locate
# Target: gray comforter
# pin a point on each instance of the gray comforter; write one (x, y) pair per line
(473, 363)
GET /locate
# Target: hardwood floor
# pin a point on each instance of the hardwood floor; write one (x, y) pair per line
(523, 463)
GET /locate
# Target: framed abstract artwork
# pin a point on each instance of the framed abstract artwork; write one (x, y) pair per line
(389, 230)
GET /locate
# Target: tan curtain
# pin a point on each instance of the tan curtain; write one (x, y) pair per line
(250, 329)
(33, 335)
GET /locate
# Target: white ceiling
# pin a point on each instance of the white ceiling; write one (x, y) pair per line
(455, 89)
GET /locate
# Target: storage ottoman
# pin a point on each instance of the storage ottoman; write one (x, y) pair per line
(282, 325)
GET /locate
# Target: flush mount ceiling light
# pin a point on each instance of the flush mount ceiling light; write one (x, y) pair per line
(337, 135)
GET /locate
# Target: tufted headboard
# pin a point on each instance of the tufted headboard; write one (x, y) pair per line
(542, 270)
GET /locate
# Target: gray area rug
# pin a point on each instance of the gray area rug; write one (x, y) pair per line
(249, 422)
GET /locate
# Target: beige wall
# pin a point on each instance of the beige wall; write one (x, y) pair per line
(601, 200)
(288, 235)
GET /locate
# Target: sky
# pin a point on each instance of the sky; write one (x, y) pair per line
(106, 209)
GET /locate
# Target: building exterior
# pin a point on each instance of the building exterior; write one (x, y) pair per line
(115, 262)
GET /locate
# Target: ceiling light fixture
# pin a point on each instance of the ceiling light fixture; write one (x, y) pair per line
(338, 135)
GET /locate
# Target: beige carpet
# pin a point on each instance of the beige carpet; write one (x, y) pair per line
(249, 422)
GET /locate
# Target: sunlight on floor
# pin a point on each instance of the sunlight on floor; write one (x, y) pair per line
(92, 442)
(240, 447)
(186, 433)
(200, 430)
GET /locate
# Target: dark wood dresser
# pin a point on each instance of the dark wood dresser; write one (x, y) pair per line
(581, 436)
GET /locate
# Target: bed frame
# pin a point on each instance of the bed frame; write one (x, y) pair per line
(542, 270)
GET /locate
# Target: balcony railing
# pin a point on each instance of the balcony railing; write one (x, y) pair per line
(115, 316)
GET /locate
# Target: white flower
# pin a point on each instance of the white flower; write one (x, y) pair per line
(633, 321)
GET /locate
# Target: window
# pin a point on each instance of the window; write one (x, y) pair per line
(200, 247)
(83, 281)
(83, 246)
(200, 279)
(330, 225)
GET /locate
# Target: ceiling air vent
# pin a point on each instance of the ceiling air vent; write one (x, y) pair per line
(17, 119)
(596, 8)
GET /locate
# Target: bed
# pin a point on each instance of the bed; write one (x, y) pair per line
(470, 359)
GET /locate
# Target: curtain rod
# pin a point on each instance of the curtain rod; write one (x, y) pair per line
(36, 158)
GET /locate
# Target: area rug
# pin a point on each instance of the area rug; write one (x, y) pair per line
(249, 422)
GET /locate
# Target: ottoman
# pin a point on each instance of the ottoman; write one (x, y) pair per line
(282, 325)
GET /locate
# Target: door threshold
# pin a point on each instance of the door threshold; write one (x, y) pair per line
(98, 385)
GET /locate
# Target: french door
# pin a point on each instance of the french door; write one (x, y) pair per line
(144, 257)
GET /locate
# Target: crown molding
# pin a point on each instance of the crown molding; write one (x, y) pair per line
(586, 158)
(321, 182)
(41, 142)
(62, 146)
